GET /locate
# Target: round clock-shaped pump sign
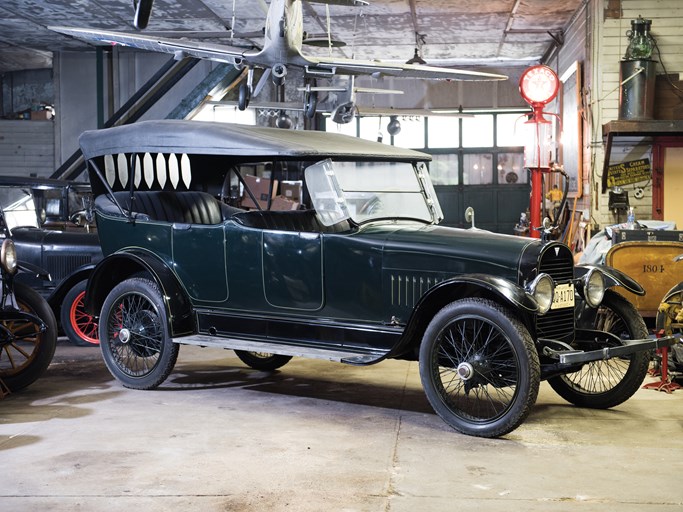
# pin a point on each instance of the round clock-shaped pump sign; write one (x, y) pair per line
(539, 85)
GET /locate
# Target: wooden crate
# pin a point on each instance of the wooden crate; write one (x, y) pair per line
(668, 104)
(652, 265)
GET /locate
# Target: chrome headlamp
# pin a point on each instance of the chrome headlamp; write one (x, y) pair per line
(542, 289)
(593, 287)
(8, 256)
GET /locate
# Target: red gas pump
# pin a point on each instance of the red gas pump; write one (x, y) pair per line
(538, 86)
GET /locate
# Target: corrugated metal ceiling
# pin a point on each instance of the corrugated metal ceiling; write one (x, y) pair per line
(455, 32)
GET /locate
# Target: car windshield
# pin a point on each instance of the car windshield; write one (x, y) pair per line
(18, 207)
(364, 191)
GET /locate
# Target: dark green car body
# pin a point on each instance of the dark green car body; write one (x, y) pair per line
(295, 284)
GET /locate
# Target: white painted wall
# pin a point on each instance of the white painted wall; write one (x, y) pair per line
(26, 148)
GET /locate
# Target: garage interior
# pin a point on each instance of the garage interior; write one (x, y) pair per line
(318, 435)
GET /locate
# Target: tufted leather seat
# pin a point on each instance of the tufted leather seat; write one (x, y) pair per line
(190, 207)
(300, 220)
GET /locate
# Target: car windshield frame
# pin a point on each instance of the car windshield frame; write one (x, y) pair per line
(367, 191)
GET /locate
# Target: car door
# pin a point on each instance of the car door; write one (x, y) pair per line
(198, 254)
(292, 269)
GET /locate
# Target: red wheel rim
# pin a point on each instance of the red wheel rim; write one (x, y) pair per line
(81, 322)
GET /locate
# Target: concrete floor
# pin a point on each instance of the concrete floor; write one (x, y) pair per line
(318, 436)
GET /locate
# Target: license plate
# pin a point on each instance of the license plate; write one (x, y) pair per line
(564, 296)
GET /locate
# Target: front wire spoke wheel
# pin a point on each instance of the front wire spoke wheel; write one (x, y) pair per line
(479, 367)
(484, 387)
(606, 383)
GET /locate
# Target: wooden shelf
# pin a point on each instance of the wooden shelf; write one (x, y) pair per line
(631, 128)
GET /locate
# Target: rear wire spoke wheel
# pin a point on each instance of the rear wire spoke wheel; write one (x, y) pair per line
(28, 354)
(607, 383)
(479, 367)
(264, 361)
(78, 325)
(133, 335)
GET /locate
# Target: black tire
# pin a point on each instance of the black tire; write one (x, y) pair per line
(77, 324)
(607, 383)
(243, 96)
(262, 360)
(27, 357)
(310, 104)
(479, 367)
(134, 336)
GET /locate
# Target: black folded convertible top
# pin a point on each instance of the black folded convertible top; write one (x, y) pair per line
(199, 137)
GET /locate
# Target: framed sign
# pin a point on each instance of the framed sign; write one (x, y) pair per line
(571, 154)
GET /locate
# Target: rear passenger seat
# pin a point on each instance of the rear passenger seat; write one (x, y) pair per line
(189, 207)
(193, 207)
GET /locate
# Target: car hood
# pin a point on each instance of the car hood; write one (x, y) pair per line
(430, 248)
(56, 239)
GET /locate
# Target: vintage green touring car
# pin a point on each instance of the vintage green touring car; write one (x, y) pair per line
(364, 274)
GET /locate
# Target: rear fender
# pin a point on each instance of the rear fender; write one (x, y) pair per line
(120, 266)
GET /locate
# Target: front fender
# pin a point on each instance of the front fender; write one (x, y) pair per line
(613, 277)
(510, 292)
(25, 266)
(122, 265)
(473, 285)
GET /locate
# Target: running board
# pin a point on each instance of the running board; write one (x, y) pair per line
(342, 356)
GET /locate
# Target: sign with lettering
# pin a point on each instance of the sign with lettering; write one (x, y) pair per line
(626, 173)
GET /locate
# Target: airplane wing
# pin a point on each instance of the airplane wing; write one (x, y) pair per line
(382, 68)
(262, 105)
(217, 52)
(320, 66)
(366, 111)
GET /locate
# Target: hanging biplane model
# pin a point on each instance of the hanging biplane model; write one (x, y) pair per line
(284, 36)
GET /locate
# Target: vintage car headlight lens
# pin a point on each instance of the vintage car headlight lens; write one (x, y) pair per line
(8, 256)
(593, 288)
(542, 289)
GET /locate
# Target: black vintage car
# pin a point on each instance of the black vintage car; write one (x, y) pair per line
(364, 274)
(50, 222)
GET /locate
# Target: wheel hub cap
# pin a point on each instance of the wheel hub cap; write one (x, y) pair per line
(124, 335)
(465, 371)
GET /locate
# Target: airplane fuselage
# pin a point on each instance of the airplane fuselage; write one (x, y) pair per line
(284, 33)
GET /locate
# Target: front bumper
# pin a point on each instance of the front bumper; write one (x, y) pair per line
(610, 346)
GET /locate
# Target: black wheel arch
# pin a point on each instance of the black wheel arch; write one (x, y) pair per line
(497, 289)
(117, 267)
(57, 296)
